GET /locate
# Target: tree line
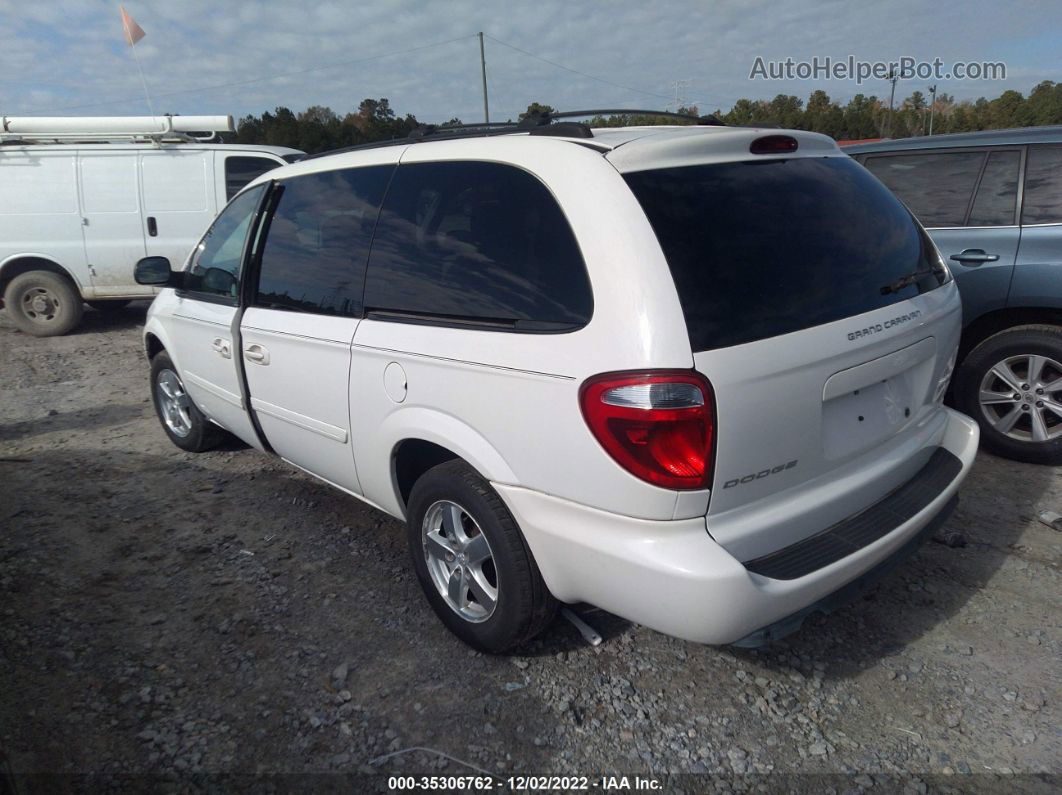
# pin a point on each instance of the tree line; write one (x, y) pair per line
(319, 128)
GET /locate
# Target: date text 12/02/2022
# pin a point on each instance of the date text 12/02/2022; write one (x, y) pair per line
(525, 783)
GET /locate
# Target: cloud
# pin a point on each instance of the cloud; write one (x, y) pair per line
(62, 55)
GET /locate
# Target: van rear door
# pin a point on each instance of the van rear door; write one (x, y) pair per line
(825, 320)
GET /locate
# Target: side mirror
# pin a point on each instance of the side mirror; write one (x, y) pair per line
(219, 280)
(154, 271)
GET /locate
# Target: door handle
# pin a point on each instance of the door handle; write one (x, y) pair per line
(974, 257)
(153, 227)
(223, 347)
(256, 353)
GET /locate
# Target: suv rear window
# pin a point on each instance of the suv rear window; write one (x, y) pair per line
(767, 247)
(472, 243)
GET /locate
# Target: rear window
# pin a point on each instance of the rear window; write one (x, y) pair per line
(768, 247)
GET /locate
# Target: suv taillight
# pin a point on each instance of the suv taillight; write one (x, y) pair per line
(659, 425)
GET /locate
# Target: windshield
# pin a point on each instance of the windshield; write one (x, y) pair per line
(767, 247)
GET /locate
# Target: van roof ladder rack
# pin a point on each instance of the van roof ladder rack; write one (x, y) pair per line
(97, 129)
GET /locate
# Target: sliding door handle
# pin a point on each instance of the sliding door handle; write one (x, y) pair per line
(256, 353)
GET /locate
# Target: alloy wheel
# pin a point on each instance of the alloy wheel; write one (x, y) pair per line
(174, 402)
(460, 561)
(1021, 397)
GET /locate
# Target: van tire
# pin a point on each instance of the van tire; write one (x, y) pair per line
(1014, 343)
(524, 605)
(202, 434)
(43, 304)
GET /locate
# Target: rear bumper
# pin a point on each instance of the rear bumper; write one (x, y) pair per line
(673, 577)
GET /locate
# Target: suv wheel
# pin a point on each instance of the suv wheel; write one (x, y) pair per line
(472, 561)
(43, 304)
(1012, 385)
(183, 422)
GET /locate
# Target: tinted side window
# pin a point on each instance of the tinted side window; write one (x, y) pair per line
(218, 258)
(318, 240)
(479, 242)
(240, 171)
(1042, 203)
(997, 194)
(936, 186)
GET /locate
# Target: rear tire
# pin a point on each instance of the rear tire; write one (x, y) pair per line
(180, 419)
(1012, 385)
(451, 503)
(43, 304)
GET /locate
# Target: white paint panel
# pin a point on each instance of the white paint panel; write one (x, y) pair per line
(108, 183)
(174, 182)
(37, 183)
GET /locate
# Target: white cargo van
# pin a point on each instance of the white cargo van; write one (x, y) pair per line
(82, 199)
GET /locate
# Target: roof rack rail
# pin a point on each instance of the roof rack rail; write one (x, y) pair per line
(533, 123)
(536, 118)
(71, 129)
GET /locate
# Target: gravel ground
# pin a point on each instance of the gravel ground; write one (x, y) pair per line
(168, 614)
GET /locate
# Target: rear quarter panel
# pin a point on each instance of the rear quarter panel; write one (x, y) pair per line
(512, 400)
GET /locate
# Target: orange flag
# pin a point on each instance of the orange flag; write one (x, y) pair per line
(133, 32)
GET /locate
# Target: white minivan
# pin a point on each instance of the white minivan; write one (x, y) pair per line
(81, 200)
(691, 375)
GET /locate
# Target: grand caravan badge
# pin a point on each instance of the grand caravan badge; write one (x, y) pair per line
(877, 328)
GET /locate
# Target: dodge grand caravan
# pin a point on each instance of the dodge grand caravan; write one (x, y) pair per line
(691, 375)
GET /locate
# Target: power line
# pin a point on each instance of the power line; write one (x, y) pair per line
(250, 81)
(576, 71)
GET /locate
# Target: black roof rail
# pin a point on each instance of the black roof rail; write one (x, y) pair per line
(434, 132)
(534, 123)
(537, 118)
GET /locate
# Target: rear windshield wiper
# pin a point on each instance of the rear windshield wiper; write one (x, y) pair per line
(908, 280)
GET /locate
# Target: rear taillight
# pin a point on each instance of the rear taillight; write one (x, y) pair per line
(659, 425)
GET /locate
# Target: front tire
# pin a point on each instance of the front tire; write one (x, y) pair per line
(472, 561)
(43, 304)
(181, 420)
(1012, 385)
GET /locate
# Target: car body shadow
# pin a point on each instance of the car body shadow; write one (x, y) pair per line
(96, 321)
(96, 417)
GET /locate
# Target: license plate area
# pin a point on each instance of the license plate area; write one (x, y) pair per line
(870, 403)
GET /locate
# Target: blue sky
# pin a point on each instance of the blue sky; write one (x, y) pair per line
(61, 57)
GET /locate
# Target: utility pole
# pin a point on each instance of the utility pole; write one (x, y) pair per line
(892, 96)
(680, 92)
(483, 68)
(932, 105)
